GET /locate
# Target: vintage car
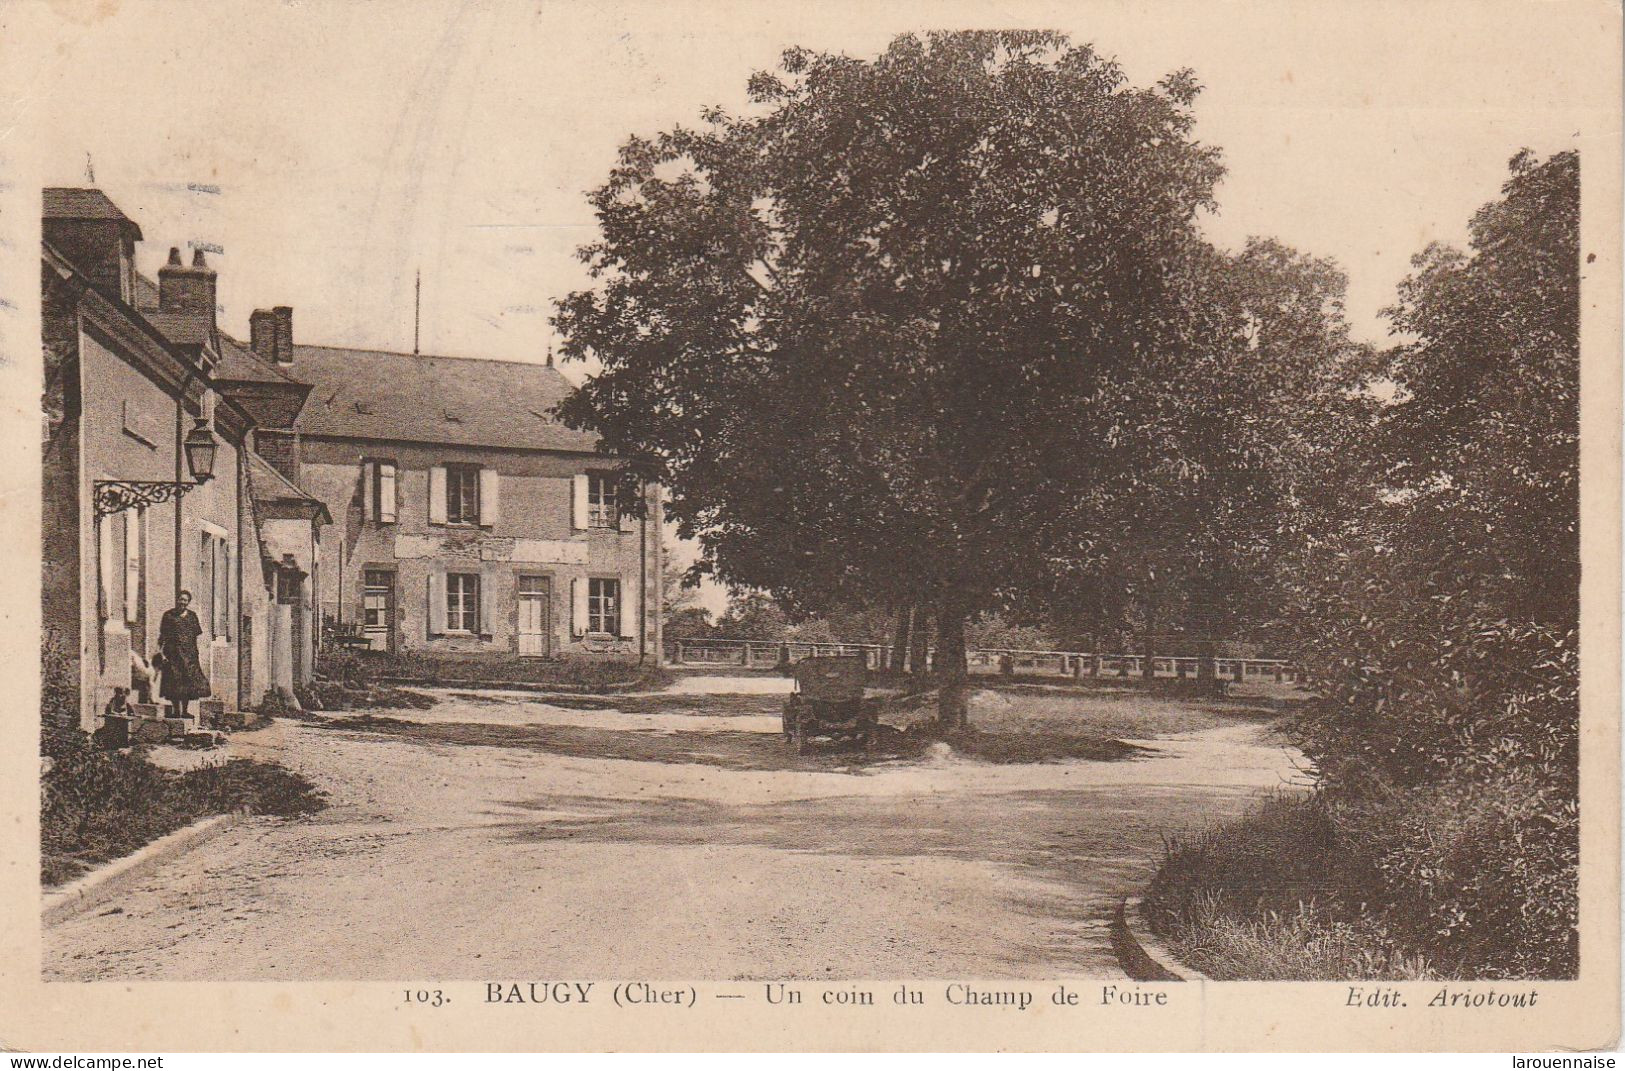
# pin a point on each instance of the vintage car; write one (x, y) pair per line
(828, 702)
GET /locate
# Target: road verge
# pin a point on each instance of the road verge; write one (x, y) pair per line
(108, 881)
(1140, 954)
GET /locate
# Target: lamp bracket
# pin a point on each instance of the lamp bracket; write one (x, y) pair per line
(116, 496)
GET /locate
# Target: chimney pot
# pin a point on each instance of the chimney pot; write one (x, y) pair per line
(187, 289)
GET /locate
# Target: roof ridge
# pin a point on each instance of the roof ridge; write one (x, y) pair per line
(422, 356)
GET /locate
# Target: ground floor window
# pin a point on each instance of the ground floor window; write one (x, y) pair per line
(604, 606)
(214, 585)
(462, 602)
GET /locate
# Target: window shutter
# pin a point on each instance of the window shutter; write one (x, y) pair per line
(487, 609)
(578, 606)
(386, 492)
(366, 491)
(629, 617)
(222, 603)
(132, 565)
(578, 499)
(437, 497)
(437, 604)
(104, 567)
(490, 507)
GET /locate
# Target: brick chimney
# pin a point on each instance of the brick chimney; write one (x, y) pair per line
(270, 334)
(284, 333)
(188, 290)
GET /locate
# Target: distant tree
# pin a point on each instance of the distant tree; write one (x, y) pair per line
(678, 588)
(753, 615)
(873, 333)
(993, 630)
(689, 623)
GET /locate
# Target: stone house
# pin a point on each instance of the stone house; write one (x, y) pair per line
(148, 455)
(468, 522)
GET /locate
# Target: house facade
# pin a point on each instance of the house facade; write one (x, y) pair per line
(148, 453)
(468, 522)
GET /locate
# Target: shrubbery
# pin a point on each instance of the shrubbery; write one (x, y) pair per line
(1452, 879)
(1438, 618)
(355, 669)
(98, 805)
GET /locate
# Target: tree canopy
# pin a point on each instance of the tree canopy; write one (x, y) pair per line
(871, 331)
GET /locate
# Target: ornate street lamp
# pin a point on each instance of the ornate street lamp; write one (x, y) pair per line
(115, 496)
(200, 448)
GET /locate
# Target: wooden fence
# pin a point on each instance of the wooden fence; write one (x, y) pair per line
(764, 654)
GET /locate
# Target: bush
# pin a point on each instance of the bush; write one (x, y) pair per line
(98, 805)
(1473, 880)
(1482, 877)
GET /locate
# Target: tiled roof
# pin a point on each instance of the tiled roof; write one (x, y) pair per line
(69, 203)
(238, 362)
(373, 394)
(182, 328)
(146, 293)
(266, 484)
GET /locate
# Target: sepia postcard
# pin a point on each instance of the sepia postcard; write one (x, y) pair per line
(735, 525)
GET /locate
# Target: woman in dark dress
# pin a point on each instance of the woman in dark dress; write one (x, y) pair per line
(183, 679)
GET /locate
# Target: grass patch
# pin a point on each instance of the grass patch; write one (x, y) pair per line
(1275, 896)
(355, 668)
(1306, 943)
(1447, 880)
(100, 805)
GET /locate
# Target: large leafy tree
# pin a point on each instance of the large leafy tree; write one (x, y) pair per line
(871, 332)
(1446, 632)
(1441, 616)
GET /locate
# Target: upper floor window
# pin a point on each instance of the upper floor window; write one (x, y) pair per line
(462, 494)
(378, 492)
(602, 511)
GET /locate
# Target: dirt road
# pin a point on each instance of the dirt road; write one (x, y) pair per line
(498, 837)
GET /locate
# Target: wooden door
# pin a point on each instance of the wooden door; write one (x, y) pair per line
(533, 617)
(378, 609)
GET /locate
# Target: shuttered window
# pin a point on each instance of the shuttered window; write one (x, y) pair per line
(462, 494)
(378, 495)
(134, 557)
(462, 602)
(602, 511)
(604, 606)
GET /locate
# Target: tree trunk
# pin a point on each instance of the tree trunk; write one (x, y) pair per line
(900, 638)
(918, 643)
(952, 669)
(1149, 670)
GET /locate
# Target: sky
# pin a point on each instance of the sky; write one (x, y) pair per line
(332, 151)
